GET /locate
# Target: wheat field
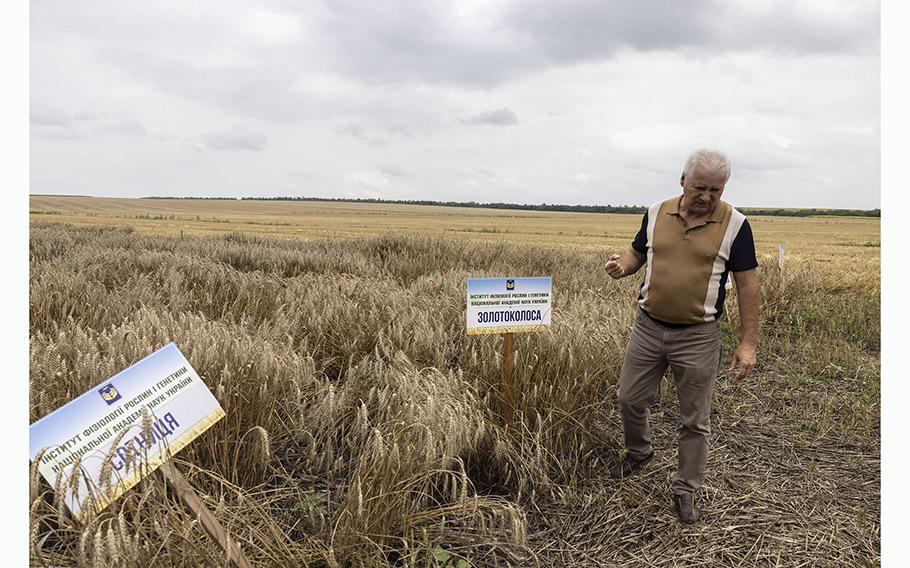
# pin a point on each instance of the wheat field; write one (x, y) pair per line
(364, 427)
(835, 241)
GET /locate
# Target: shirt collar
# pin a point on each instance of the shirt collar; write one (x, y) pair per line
(716, 216)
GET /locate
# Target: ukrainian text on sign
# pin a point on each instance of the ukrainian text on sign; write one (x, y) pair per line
(508, 305)
(100, 444)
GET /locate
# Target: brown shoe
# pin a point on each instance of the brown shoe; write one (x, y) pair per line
(685, 507)
(628, 464)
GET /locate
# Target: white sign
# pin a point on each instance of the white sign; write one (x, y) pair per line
(509, 305)
(95, 447)
(780, 257)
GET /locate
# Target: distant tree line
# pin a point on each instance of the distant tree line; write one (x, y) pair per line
(811, 212)
(776, 212)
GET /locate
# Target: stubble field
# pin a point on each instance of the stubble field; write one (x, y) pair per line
(364, 426)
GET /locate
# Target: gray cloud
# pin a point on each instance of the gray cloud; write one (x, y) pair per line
(357, 131)
(583, 30)
(777, 162)
(131, 128)
(122, 96)
(57, 124)
(428, 42)
(354, 130)
(88, 116)
(392, 171)
(579, 30)
(42, 115)
(435, 42)
(499, 117)
(400, 130)
(236, 140)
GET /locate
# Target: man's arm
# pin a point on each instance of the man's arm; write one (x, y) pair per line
(627, 263)
(748, 295)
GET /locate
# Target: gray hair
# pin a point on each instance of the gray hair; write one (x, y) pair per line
(711, 159)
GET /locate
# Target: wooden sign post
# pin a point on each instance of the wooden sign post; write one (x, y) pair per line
(507, 375)
(194, 504)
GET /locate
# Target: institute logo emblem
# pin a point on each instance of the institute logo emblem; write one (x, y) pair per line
(109, 394)
(510, 284)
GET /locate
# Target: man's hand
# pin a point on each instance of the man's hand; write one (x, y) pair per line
(620, 266)
(614, 269)
(744, 359)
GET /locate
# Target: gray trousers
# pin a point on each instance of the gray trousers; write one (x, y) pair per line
(694, 355)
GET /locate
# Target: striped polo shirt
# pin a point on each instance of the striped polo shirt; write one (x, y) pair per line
(687, 268)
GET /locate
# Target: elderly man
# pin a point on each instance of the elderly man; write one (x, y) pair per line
(690, 243)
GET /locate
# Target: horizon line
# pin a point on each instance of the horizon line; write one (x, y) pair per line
(432, 202)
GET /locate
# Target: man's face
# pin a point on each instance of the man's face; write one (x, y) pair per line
(702, 190)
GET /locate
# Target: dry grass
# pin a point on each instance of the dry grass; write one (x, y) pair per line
(363, 425)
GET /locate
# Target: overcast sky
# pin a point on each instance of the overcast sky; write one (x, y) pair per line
(578, 101)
